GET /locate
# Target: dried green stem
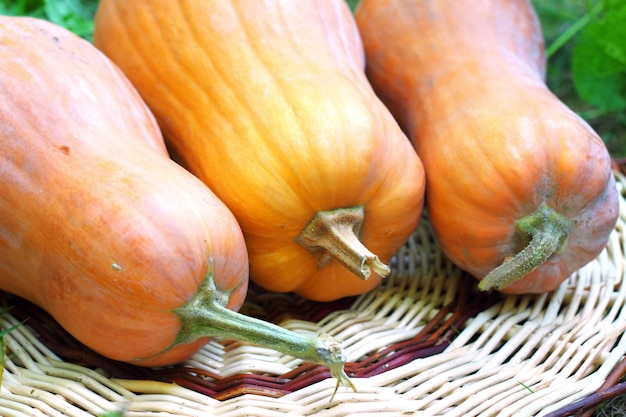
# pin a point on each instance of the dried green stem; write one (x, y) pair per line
(333, 235)
(547, 231)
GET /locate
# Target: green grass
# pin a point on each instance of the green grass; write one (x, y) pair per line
(613, 408)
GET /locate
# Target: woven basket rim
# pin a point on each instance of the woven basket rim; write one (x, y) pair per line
(420, 344)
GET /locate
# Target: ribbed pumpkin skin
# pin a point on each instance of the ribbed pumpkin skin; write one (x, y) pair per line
(465, 81)
(98, 225)
(268, 104)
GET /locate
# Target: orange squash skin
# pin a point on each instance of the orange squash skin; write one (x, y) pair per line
(465, 80)
(268, 104)
(97, 225)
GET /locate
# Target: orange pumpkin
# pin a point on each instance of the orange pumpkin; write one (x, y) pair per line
(128, 251)
(267, 103)
(519, 188)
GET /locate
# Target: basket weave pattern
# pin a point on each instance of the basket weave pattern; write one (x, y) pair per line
(424, 343)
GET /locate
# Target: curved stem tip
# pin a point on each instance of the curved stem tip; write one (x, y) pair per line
(548, 232)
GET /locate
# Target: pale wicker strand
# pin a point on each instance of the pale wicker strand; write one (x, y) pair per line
(75, 392)
(21, 351)
(48, 395)
(96, 381)
(39, 351)
(13, 405)
(85, 378)
(561, 346)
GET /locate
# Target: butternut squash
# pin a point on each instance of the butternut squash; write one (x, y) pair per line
(267, 103)
(519, 188)
(129, 252)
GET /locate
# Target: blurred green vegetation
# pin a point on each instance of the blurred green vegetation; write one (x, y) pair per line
(76, 15)
(559, 16)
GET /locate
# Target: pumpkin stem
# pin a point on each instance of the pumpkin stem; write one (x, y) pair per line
(546, 232)
(206, 315)
(333, 235)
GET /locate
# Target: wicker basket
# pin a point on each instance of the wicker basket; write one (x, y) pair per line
(424, 343)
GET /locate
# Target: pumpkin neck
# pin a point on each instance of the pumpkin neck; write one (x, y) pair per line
(206, 315)
(333, 235)
(545, 232)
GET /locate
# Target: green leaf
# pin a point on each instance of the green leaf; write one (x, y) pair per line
(21, 7)
(352, 4)
(75, 15)
(599, 60)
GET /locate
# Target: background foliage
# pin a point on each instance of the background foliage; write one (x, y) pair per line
(586, 43)
(76, 15)
(586, 46)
